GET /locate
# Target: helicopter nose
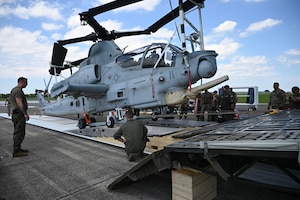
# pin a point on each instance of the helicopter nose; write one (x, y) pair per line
(207, 68)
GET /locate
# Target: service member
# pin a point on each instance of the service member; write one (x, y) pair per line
(19, 108)
(134, 135)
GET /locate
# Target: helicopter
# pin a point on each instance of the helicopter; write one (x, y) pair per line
(153, 76)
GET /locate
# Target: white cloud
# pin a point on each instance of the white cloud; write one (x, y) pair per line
(225, 1)
(25, 52)
(35, 9)
(247, 71)
(290, 58)
(288, 61)
(7, 1)
(247, 1)
(56, 36)
(78, 31)
(19, 41)
(256, 1)
(112, 25)
(220, 32)
(259, 26)
(294, 62)
(226, 47)
(247, 66)
(73, 21)
(295, 52)
(19, 11)
(146, 5)
(163, 35)
(255, 60)
(226, 26)
(51, 26)
(44, 9)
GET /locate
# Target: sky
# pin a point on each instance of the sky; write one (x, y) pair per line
(257, 41)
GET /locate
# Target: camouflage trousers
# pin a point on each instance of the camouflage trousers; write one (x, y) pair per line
(208, 108)
(19, 129)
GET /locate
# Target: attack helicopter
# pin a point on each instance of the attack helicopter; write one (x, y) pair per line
(153, 76)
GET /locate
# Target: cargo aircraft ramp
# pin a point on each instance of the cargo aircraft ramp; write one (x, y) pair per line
(264, 149)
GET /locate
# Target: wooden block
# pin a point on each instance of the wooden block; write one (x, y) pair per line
(192, 184)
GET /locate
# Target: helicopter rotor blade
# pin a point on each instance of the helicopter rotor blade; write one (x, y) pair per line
(88, 18)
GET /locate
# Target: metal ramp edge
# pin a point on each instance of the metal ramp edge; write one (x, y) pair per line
(151, 164)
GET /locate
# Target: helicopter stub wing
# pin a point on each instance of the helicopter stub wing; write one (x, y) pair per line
(181, 96)
(64, 87)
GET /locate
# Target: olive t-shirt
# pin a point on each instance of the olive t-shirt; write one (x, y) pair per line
(135, 133)
(17, 92)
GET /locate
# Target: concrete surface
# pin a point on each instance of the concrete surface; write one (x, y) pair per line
(65, 167)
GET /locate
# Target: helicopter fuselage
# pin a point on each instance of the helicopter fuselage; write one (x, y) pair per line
(139, 79)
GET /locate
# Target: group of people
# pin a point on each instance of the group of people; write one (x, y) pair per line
(208, 103)
(278, 98)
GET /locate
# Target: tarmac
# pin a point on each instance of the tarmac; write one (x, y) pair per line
(61, 166)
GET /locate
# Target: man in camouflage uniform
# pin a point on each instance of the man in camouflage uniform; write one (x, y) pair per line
(19, 114)
(294, 99)
(215, 104)
(277, 97)
(235, 97)
(226, 104)
(206, 105)
(184, 110)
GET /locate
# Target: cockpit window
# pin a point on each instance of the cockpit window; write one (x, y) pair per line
(129, 59)
(170, 57)
(149, 55)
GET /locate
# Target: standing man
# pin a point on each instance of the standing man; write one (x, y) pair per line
(277, 97)
(19, 108)
(134, 135)
(184, 109)
(206, 105)
(197, 107)
(215, 104)
(235, 97)
(294, 100)
(226, 103)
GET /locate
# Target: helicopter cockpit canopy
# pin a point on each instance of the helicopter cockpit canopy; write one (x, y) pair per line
(147, 56)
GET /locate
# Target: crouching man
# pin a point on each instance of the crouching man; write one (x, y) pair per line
(134, 135)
